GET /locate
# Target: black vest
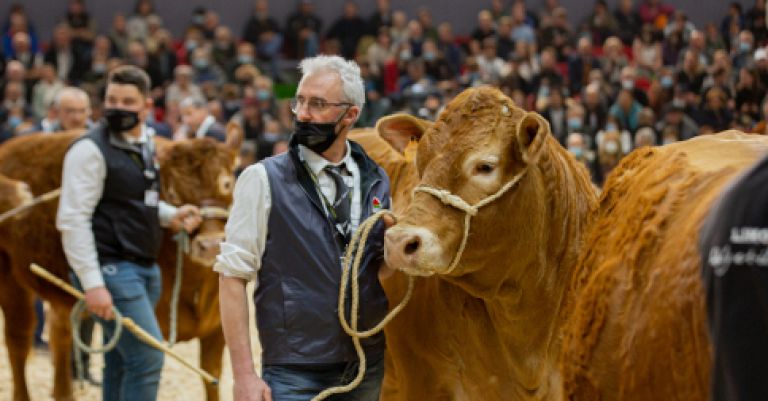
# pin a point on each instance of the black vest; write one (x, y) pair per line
(125, 228)
(298, 284)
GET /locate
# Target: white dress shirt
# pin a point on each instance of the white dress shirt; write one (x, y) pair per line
(82, 185)
(246, 229)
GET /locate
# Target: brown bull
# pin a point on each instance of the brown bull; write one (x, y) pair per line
(637, 329)
(492, 328)
(485, 331)
(197, 172)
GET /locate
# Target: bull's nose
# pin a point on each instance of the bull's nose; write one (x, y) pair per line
(206, 247)
(414, 250)
(407, 242)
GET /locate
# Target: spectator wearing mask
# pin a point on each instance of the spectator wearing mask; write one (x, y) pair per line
(198, 122)
(206, 71)
(246, 55)
(577, 146)
(741, 54)
(628, 82)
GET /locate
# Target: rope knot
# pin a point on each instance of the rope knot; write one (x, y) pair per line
(449, 199)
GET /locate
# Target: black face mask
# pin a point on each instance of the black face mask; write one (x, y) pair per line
(119, 120)
(318, 137)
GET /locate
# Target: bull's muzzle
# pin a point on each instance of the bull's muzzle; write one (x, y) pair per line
(414, 250)
(205, 246)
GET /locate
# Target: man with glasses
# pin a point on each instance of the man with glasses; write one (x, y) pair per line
(290, 223)
(73, 108)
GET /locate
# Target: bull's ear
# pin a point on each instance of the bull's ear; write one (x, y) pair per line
(400, 129)
(234, 135)
(531, 136)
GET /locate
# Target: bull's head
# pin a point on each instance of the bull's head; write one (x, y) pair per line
(472, 164)
(201, 172)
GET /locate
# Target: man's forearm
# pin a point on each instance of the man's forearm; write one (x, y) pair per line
(235, 323)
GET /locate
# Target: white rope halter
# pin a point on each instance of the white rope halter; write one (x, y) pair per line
(457, 202)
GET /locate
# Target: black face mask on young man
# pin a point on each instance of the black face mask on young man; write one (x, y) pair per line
(317, 137)
(119, 120)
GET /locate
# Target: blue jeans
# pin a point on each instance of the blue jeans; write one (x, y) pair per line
(132, 368)
(301, 383)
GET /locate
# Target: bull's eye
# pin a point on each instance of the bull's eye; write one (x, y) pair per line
(226, 183)
(484, 168)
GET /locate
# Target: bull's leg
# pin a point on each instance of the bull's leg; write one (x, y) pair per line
(61, 348)
(18, 304)
(211, 350)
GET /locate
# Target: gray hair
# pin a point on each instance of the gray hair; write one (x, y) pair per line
(72, 92)
(348, 71)
(193, 101)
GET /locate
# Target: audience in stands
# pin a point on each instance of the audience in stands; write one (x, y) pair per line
(638, 74)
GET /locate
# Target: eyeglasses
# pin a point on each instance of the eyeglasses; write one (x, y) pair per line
(315, 105)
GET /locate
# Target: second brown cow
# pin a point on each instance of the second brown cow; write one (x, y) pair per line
(196, 172)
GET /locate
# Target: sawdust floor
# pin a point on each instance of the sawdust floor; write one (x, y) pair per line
(177, 383)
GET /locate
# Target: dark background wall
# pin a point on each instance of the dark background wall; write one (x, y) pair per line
(462, 14)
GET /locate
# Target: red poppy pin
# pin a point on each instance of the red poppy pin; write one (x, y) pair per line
(376, 203)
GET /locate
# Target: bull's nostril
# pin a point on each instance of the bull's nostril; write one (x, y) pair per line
(412, 246)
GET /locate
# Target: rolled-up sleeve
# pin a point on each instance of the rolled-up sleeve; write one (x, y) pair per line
(246, 229)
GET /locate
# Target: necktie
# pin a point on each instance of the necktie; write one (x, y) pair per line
(342, 203)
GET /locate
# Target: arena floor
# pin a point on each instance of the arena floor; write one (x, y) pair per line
(177, 383)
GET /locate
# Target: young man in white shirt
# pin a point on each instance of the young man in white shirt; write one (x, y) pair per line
(110, 219)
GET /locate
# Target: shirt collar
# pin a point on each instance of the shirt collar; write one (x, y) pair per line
(140, 140)
(317, 163)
